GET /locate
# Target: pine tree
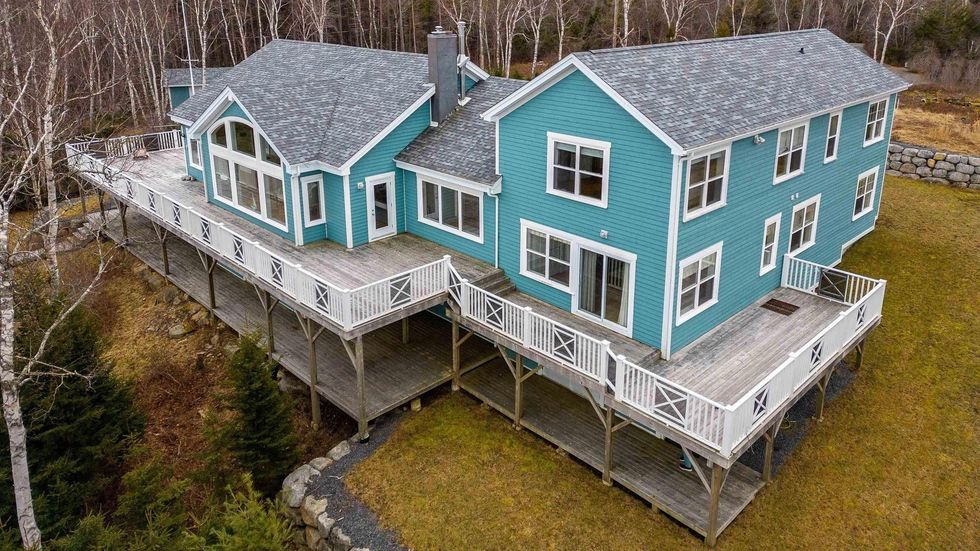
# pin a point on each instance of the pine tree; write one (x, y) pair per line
(260, 437)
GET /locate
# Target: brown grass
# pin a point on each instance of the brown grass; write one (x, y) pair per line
(936, 118)
(892, 465)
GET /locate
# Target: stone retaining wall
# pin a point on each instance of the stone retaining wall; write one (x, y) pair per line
(930, 165)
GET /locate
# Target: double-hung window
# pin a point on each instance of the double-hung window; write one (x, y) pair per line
(247, 172)
(874, 130)
(804, 229)
(790, 152)
(707, 182)
(698, 291)
(547, 257)
(451, 208)
(833, 137)
(313, 198)
(864, 198)
(578, 168)
(770, 243)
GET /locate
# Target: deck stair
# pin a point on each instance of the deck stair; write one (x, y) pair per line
(496, 282)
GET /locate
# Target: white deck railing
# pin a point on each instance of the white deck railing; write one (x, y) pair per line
(347, 308)
(717, 426)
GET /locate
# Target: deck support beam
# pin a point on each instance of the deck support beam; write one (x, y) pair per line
(822, 397)
(770, 438)
(718, 476)
(859, 351)
(122, 208)
(457, 345)
(269, 304)
(311, 330)
(405, 331)
(101, 195)
(209, 264)
(356, 353)
(607, 417)
(162, 235)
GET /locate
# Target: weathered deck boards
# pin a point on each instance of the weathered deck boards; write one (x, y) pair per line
(346, 268)
(731, 360)
(395, 373)
(643, 463)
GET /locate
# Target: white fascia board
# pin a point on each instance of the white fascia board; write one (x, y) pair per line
(449, 178)
(475, 71)
(430, 91)
(181, 121)
(559, 71)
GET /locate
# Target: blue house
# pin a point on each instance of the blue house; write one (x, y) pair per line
(651, 230)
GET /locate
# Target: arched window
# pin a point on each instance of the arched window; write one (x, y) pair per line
(247, 171)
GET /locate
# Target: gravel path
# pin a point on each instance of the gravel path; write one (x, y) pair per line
(355, 518)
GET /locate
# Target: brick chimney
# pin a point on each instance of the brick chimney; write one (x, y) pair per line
(443, 72)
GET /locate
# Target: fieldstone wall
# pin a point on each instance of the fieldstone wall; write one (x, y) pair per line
(315, 529)
(941, 167)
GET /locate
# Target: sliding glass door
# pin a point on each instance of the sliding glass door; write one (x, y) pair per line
(604, 287)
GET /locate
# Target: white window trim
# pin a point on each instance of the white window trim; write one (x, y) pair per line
(764, 268)
(190, 153)
(304, 182)
(884, 121)
(420, 193)
(691, 215)
(577, 244)
(261, 168)
(840, 123)
(874, 192)
(716, 248)
(816, 218)
(580, 142)
(806, 137)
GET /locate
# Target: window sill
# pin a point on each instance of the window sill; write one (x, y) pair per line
(453, 231)
(612, 326)
(802, 248)
(780, 179)
(688, 216)
(829, 160)
(686, 317)
(252, 214)
(874, 141)
(766, 269)
(862, 214)
(577, 198)
(314, 223)
(546, 281)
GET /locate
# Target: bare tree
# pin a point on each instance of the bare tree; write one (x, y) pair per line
(536, 11)
(889, 15)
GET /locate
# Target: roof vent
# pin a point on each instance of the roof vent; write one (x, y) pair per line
(780, 307)
(801, 50)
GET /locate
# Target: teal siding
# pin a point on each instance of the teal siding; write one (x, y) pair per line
(197, 173)
(752, 198)
(178, 95)
(483, 251)
(639, 191)
(380, 160)
(235, 110)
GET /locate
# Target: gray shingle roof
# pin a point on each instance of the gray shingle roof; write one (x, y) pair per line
(701, 92)
(463, 145)
(180, 76)
(319, 102)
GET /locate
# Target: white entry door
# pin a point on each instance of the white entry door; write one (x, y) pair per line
(382, 215)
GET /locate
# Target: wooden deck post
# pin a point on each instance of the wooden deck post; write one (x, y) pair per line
(122, 208)
(518, 390)
(311, 331)
(362, 422)
(455, 337)
(209, 264)
(162, 235)
(269, 304)
(859, 351)
(717, 481)
(607, 453)
(822, 397)
(770, 437)
(404, 330)
(101, 195)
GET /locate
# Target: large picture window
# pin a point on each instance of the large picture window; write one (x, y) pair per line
(803, 233)
(578, 168)
(864, 199)
(874, 131)
(451, 208)
(244, 173)
(707, 179)
(790, 152)
(698, 289)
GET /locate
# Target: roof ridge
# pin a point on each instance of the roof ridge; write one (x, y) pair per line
(703, 41)
(341, 46)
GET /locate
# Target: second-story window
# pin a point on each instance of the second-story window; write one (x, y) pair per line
(707, 180)
(790, 150)
(247, 172)
(699, 282)
(578, 168)
(833, 137)
(875, 129)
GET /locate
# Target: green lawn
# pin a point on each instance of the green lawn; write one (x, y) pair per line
(891, 466)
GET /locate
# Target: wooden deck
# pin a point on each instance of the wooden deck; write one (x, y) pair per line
(336, 264)
(732, 359)
(395, 373)
(642, 463)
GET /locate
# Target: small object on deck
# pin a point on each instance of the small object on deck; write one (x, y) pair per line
(685, 463)
(417, 404)
(780, 307)
(140, 154)
(187, 178)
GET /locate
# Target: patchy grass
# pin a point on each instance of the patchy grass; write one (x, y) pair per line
(935, 118)
(891, 466)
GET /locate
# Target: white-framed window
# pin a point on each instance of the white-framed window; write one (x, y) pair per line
(600, 278)
(247, 172)
(790, 152)
(314, 211)
(450, 207)
(803, 232)
(707, 183)
(770, 243)
(194, 148)
(864, 197)
(833, 137)
(578, 168)
(698, 289)
(874, 130)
